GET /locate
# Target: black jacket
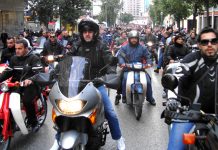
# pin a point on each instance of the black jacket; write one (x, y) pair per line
(97, 53)
(28, 60)
(52, 48)
(193, 66)
(7, 53)
(177, 51)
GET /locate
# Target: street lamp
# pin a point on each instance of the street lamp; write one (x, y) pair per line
(161, 19)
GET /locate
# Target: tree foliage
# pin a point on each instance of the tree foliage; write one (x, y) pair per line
(109, 11)
(126, 17)
(69, 10)
(180, 9)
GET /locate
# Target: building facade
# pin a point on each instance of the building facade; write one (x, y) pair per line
(134, 7)
(11, 16)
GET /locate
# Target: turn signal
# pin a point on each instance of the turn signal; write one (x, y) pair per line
(93, 116)
(53, 115)
(189, 138)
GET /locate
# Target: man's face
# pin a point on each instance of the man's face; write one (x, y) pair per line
(88, 36)
(10, 43)
(192, 35)
(123, 35)
(133, 41)
(148, 31)
(180, 41)
(52, 38)
(20, 50)
(209, 49)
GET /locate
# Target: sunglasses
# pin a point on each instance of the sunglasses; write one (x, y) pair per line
(52, 36)
(212, 41)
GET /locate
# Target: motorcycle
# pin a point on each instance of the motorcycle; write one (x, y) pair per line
(78, 111)
(204, 134)
(151, 48)
(194, 48)
(136, 86)
(12, 111)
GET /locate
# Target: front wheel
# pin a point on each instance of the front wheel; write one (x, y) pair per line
(4, 145)
(41, 109)
(138, 103)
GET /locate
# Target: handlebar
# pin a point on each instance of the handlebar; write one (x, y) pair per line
(135, 66)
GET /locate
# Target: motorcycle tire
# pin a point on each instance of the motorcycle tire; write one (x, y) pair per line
(41, 113)
(4, 145)
(138, 103)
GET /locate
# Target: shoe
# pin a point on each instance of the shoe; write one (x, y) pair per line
(164, 94)
(55, 146)
(156, 70)
(120, 144)
(152, 102)
(117, 99)
(124, 99)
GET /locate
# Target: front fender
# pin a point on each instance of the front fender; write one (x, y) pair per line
(14, 105)
(72, 138)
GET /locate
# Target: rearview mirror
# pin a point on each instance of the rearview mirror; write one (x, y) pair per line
(169, 82)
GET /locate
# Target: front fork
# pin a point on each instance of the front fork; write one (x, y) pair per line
(5, 116)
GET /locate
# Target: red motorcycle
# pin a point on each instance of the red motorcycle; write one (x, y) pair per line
(12, 111)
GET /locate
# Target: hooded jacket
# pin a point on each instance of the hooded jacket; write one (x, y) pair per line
(27, 60)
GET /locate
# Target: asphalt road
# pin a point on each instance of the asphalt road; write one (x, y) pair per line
(150, 133)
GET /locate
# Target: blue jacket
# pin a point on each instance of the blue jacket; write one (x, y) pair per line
(134, 54)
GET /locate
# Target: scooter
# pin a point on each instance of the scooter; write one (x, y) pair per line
(78, 111)
(12, 111)
(204, 134)
(136, 87)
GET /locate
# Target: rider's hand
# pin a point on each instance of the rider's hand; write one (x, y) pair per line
(172, 61)
(172, 104)
(123, 65)
(27, 82)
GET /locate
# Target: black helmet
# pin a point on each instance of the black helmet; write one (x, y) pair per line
(88, 25)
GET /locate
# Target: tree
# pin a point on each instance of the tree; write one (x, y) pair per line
(109, 11)
(155, 12)
(126, 17)
(70, 10)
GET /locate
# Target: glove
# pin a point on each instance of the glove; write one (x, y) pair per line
(98, 82)
(172, 104)
(114, 61)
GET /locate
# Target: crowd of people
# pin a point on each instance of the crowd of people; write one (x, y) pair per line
(104, 45)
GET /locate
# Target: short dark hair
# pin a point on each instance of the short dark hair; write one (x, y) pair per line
(10, 38)
(25, 44)
(207, 30)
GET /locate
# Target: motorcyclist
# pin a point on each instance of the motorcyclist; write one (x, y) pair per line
(178, 50)
(192, 40)
(135, 53)
(8, 52)
(99, 55)
(24, 57)
(192, 85)
(52, 46)
(149, 37)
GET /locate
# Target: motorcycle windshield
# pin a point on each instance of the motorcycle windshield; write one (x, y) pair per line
(73, 74)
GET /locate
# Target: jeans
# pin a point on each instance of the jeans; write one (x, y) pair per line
(160, 60)
(176, 135)
(110, 115)
(149, 93)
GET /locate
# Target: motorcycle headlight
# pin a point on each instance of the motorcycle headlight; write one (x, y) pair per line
(72, 107)
(50, 58)
(149, 43)
(138, 66)
(4, 87)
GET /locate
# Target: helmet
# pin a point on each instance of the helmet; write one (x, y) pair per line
(88, 25)
(133, 34)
